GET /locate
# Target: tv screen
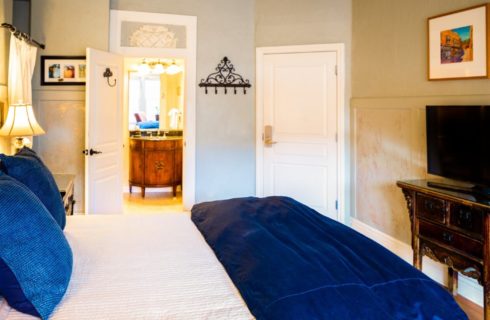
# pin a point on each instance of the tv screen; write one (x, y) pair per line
(458, 143)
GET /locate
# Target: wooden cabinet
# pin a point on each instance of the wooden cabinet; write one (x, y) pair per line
(452, 228)
(155, 163)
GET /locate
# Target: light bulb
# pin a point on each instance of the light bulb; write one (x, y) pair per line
(173, 68)
(158, 69)
(143, 68)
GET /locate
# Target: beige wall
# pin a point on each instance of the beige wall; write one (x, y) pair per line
(5, 16)
(225, 124)
(292, 22)
(389, 94)
(66, 27)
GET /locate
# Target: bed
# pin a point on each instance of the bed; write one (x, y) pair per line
(268, 258)
(173, 266)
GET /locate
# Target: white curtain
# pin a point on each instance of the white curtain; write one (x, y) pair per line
(22, 59)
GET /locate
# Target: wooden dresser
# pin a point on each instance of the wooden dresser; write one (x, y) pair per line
(452, 228)
(155, 162)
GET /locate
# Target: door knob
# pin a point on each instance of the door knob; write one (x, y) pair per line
(90, 152)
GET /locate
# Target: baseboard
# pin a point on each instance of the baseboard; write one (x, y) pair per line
(467, 287)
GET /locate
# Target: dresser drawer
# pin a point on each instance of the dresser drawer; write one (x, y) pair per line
(452, 239)
(467, 219)
(160, 145)
(431, 208)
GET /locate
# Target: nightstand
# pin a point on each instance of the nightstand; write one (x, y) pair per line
(65, 183)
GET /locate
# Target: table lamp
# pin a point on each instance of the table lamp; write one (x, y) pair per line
(20, 123)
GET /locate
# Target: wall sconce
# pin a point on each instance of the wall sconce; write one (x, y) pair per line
(21, 122)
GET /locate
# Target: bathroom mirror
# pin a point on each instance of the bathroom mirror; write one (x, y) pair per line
(156, 97)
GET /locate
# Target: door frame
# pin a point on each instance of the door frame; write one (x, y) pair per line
(189, 54)
(339, 49)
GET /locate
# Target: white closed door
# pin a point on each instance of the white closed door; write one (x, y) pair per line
(298, 147)
(103, 133)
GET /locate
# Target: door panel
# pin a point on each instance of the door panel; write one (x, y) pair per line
(300, 103)
(103, 133)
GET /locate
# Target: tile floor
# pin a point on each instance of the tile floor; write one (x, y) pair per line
(153, 202)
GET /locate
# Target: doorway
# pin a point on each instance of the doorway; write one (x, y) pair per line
(300, 116)
(153, 126)
(139, 34)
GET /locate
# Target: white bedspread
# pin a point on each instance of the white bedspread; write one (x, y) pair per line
(143, 267)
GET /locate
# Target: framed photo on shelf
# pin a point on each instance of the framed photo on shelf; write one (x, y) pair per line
(63, 70)
(457, 44)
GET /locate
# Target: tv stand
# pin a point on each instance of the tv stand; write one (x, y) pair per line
(473, 189)
(452, 228)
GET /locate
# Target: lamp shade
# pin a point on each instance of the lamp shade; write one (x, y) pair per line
(21, 122)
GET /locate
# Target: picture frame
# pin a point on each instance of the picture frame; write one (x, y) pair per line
(458, 44)
(63, 70)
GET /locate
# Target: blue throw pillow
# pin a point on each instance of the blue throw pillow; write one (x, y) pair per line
(29, 169)
(35, 258)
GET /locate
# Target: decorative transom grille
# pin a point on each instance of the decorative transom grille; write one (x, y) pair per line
(151, 36)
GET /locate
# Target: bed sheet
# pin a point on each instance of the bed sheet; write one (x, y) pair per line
(142, 267)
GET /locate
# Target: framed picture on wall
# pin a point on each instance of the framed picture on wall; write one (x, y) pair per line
(457, 44)
(63, 70)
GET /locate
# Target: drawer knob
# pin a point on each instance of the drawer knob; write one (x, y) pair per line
(447, 237)
(464, 218)
(429, 205)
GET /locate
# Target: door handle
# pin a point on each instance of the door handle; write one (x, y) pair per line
(268, 141)
(90, 152)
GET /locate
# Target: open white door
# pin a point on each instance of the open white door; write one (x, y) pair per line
(297, 123)
(103, 145)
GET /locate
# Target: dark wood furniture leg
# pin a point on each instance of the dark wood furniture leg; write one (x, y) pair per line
(143, 192)
(130, 189)
(486, 270)
(452, 281)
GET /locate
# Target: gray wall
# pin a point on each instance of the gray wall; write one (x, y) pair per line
(5, 16)
(225, 154)
(292, 22)
(390, 91)
(66, 27)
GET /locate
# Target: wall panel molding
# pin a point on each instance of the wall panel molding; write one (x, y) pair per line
(62, 115)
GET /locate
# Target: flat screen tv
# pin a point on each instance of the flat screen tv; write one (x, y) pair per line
(458, 146)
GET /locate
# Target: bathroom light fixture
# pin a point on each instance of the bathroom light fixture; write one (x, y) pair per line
(143, 68)
(173, 68)
(158, 67)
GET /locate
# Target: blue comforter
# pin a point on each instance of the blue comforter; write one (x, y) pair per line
(290, 262)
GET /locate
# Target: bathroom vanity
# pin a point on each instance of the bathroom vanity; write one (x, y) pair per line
(155, 162)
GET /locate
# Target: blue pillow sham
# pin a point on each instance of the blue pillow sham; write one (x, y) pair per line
(35, 258)
(28, 168)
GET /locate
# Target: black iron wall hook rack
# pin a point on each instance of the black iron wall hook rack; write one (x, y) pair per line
(225, 77)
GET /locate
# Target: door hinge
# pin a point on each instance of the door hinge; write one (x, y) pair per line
(336, 70)
(336, 204)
